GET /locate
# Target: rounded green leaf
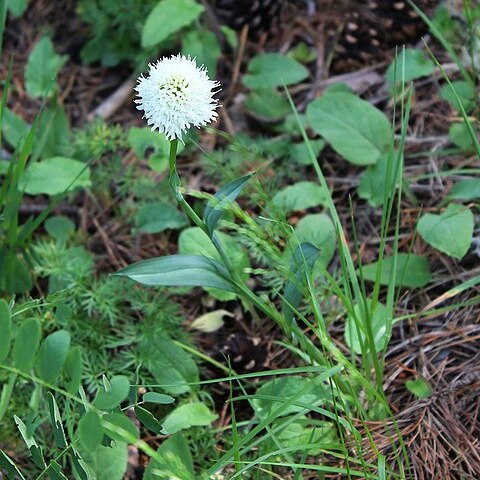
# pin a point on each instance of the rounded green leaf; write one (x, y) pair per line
(52, 355)
(42, 68)
(108, 463)
(5, 330)
(59, 227)
(157, 217)
(73, 370)
(170, 365)
(450, 232)
(154, 397)
(111, 398)
(120, 428)
(355, 129)
(189, 415)
(26, 344)
(273, 70)
(267, 104)
(356, 328)
(412, 271)
(203, 45)
(168, 17)
(419, 387)
(300, 196)
(282, 389)
(90, 431)
(318, 229)
(468, 189)
(54, 176)
(416, 64)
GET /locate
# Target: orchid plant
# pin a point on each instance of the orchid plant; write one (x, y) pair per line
(175, 95)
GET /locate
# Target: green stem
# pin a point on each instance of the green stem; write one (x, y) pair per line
(174, 180)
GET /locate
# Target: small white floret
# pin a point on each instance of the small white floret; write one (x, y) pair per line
(175, 95)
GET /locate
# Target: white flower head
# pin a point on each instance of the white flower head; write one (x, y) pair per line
(175, 95)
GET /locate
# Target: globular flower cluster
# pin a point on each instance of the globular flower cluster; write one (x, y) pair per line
(175, 95)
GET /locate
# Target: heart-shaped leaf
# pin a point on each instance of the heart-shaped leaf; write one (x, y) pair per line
(450, 232)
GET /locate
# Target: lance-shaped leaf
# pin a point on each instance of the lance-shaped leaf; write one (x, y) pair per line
(79, 465)
(217, 205)
(55, 471)
(180, 271)
(9, 468)
(56, 421)
(33, 447)
(303, 260)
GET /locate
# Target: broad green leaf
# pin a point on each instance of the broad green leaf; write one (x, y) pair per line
(193, 241)
(211, 321)
(282, 389)
(465, 91)
(273, 70)
(154, 397)
(179, 270)
(412, 271)
(217, 205)
(419, 387)
(42, 68)
(148, 420)
(466, 190)
(460, 136)
(17, 7)
(373, 182)
(56, 422)
(203, 45)
(26, 343)
(169, 16)
(195, 414)
(117, 392)
(21, 281)
(300, 153)
(90, 431)
(303, 260)
(73, 370)
(295, 434)
(356, 129)
(450, 232)
(318, 229)
(416, 64)
(120, 423)
(176, 461)
(14, 128)
(300, 196)
(53, 133)
(157, 217)
(52, 355)
(170, 365)
(267, 104)
(144, 140)
(5, 330)
(108, 463)
(54, 176)
(356, 327)
(59, 227)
